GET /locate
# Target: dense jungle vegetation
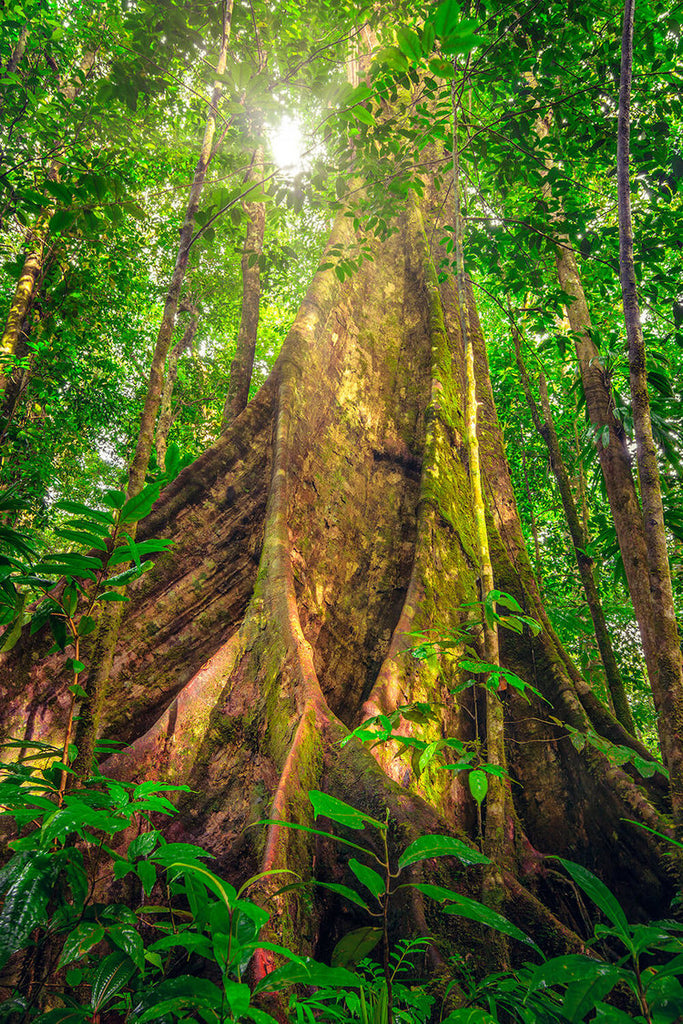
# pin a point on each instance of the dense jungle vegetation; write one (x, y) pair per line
(341, 540)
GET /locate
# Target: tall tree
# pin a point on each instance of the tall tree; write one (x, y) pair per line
(339, 556)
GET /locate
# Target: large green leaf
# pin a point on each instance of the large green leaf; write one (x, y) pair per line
(565, 970)
(329, 807)
(345, 891)
(368, 877)
(141, 505)
(479, 784)
(86, 935)
(88, 513)
(601, 896)
(309, 973)
(25, 903)
(463, 906)
(440, 846)
(222, 889)
(581, 996)
(175, 994)
(113, 974)
(355, 945)
(64, 1015)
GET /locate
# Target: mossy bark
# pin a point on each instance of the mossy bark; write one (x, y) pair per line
(545, 425)
(667, 682)
(331, 521)
(109, 624)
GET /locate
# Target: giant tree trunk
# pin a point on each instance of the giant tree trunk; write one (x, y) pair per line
(332, 519)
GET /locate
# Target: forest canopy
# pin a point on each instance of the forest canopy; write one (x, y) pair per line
(340, 479)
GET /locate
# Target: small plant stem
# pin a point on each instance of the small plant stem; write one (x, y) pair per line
(69, 726)
(641, 992)
(385, 927)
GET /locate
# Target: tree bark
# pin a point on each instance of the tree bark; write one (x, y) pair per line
(243, 361)
(109, 623)
(329, 523)
(22, 302)
(546, 428)
(165, 410)
(138, 469)
(668, 682)
(615, 459)
(610, 437)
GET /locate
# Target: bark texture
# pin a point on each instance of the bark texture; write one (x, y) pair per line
(165, 407)
(610, 437)
(545, 425)
(111, 615)
(667, 685)
(333, 519)
(243, 361)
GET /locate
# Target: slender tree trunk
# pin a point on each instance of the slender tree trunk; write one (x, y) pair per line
(497, 807)
(138, 469)
(39, 251)
(611, 441)
(22, 301)
(534, 525)
(18, 52)
(110, 618)
(243, 360)
(668, 691)
(546, 428)
(615, 459)
(165, 408)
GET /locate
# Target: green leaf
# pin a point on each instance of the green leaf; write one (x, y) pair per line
(147, 874)
(114, 972)
(86, 625)
(363, 114)
(409, 43)
(222, 889)
(479, 784)
(88, 540)
(172, 460)
(112, 595)
(345, 891)
(427, 847)
(601, 896)
(143, 844)
(310, 972)
(368, 877)
(463, 906)
(183, 992)
(94, 526)
(343, 814)
(128, 939)
(86, 935)
(63, 1015)
(78, 508)
(25, 903)
(563, 970)
(581, 996)
(355, 945)
(141, 505)
(114, 499)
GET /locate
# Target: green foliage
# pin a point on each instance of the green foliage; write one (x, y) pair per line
(101, 544)
(120, 957)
